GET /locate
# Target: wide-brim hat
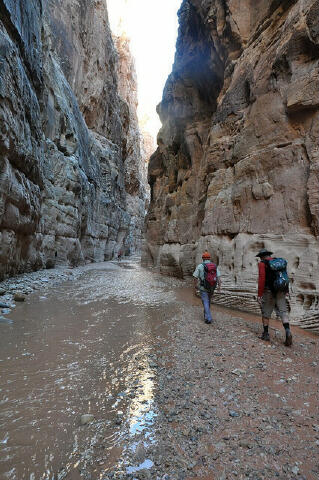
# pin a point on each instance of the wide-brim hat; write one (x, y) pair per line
(263, 252)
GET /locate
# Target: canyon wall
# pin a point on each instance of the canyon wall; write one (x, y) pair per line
(237, 164)
(71, 178)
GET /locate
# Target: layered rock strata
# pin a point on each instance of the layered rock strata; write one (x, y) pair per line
(136, 155)
(69, 141)
(237, 164)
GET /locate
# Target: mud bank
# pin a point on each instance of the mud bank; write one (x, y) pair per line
(170, 397)
(28, 283)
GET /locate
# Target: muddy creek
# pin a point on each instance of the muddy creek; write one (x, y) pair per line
(113, 375)
(84, 347)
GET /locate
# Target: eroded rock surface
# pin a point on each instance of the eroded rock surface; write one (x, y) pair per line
(68, 138)
(237, 163)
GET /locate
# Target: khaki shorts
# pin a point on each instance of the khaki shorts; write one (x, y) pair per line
(270, 301)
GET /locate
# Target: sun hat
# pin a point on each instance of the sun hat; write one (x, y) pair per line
(263, 252)
(206, 255)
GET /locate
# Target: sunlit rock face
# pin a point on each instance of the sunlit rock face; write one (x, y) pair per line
(237, 164)
(71, 188)
(133, 142)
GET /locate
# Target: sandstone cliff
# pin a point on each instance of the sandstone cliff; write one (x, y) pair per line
(69, 141)
(237, 164)
(135, 164)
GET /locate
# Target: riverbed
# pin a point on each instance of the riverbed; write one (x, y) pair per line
(165, 395)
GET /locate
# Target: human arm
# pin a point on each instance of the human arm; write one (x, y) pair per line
(219, 280)
(261, 281)
(196, 276)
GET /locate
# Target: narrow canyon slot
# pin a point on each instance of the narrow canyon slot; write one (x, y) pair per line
(159, 239)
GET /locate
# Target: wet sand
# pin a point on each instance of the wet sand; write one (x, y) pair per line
(172, 398)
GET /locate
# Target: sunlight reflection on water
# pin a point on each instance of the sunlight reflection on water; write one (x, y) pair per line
(146, 464)
(85, 348)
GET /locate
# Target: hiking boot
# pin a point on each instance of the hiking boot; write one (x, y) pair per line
(265, 336)
(288, 340)
(208, 321)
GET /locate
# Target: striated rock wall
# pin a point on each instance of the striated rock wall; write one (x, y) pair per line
(67, 144)
(237, 164)
(134, 141)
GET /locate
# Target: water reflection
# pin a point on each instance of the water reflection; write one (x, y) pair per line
(141, 411)
(83, 347)
(146, 464)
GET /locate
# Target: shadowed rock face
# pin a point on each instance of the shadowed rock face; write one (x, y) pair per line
(237, 164)
(64, 193)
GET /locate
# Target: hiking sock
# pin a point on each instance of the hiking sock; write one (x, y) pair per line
(265, 328)
(288, 340)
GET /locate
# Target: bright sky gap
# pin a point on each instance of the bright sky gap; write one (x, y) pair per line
(152, 27)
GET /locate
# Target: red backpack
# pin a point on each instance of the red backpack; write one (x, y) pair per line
(210, 276)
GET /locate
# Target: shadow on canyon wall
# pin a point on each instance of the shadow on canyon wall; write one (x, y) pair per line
(237, 164)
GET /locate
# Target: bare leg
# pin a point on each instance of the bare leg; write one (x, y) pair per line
(265, 322)
(265, 334)
(281, 304)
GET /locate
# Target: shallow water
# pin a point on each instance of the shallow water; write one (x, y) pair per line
(86, 346)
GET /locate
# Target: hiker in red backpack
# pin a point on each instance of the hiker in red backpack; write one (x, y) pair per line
(273, 286)
(207, 277)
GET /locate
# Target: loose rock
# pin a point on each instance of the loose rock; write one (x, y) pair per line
(87, 418)
(19, 297)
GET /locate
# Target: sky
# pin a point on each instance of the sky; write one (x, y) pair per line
(152, 27)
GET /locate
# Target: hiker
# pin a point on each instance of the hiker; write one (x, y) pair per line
(207, 276)
(119, 255)
(273, 286)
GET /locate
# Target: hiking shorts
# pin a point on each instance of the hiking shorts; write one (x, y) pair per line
(270, 301)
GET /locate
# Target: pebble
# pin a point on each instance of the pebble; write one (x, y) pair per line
(87, 418)
(238, 372)
(5, 320)
(19, 297)
(4, 305)
(232, 413)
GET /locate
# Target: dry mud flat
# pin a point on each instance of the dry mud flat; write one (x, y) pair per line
(231, 406)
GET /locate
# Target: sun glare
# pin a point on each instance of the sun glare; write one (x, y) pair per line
(151, 26)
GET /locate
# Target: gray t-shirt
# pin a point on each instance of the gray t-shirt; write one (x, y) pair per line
(199, 274)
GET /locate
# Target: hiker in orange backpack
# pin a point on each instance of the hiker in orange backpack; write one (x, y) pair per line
(207, 277)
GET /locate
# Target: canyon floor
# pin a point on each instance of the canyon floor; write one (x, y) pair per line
(169, 397)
